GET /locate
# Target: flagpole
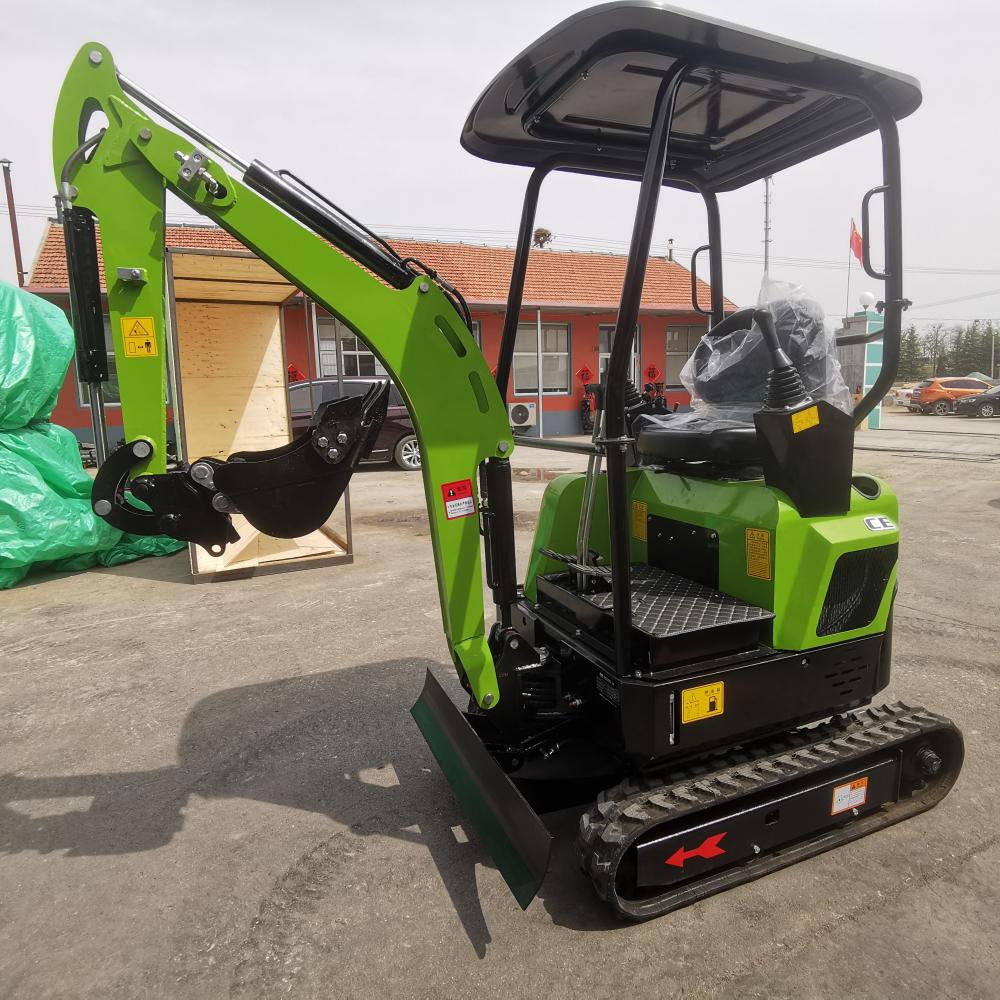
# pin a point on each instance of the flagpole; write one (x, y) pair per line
(847, 298)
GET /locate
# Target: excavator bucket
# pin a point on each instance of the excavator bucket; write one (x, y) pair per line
(286, 492)
(504, 822)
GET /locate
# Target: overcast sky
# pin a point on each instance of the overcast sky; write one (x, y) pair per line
(366, 100)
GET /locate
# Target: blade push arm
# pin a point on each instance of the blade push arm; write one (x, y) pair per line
(414, 330)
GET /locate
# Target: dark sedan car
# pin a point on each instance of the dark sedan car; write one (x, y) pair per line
(983, 404)
(396, 441)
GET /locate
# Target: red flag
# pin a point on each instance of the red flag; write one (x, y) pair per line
(856, 244)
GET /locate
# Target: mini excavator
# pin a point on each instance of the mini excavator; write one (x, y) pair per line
(706, 614)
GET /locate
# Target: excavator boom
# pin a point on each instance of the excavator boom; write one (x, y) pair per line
(412, 321)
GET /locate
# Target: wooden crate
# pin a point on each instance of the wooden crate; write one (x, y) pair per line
(231, 395)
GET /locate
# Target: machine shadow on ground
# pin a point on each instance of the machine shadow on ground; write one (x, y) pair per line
(339, 743)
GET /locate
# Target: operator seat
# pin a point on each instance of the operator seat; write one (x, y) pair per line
(713, 433)
(657, 441)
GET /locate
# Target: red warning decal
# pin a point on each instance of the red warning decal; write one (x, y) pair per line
(458, 499)
(708, 848)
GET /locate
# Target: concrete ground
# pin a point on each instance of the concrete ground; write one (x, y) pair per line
(218, 790)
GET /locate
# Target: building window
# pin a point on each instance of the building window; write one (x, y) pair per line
(681, 342)
(605, 338)
(355, 355)
(555, 359)
(477, 332)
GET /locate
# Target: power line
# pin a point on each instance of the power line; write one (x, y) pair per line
(952, 319)
(589, 244)
(961, 298)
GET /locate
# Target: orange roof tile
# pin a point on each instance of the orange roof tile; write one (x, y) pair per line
(556, 278)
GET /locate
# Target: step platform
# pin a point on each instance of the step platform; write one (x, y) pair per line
(674, 619)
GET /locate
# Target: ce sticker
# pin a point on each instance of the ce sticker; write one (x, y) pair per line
(879, 524)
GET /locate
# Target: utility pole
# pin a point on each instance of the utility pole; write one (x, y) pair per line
(12, 214)
(767, 226)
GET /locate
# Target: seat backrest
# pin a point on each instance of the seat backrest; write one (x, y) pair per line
(731, 362)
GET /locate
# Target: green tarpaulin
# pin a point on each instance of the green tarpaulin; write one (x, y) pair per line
(45, 516)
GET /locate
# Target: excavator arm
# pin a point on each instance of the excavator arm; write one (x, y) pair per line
(118, 179)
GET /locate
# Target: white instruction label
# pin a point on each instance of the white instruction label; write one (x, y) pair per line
(849, 796)
(460, 508)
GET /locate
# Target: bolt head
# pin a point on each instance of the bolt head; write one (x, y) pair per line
(423, 287)
(333, 453)
(322, 441)
(514, 643)
(503, 447)
(200, 471)
(487, 700)
(145, 134)
(342, 438)
(95, 57)
(929, 761)
(102, 508)
(142, 449)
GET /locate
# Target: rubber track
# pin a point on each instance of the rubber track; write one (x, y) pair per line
(622, 814)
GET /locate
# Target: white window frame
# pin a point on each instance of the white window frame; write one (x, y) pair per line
(330, 360)
(604, 357)
(532, 328)
(686, 353)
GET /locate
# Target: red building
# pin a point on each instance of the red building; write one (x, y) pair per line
(574, 297)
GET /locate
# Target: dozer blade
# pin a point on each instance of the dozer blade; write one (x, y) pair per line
(505, 823)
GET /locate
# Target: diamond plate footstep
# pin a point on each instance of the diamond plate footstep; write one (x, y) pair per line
(664, 604)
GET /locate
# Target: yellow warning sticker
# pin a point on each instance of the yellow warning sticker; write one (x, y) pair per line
(853, 795)
(139, 337)
(805, 419)
(702, 702)
(640, 510)
(759, 553)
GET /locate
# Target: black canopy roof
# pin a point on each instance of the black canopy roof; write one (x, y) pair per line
(750, 105)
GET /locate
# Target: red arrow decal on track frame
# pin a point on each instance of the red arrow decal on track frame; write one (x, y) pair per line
(708, 848)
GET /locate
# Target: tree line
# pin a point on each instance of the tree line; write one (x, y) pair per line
(954, 350)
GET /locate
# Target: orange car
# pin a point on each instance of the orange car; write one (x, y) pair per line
(938, 395)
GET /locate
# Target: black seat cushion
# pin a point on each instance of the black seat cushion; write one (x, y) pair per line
(660, 439)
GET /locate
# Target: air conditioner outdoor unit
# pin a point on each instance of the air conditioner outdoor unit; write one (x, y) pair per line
(522, 415)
